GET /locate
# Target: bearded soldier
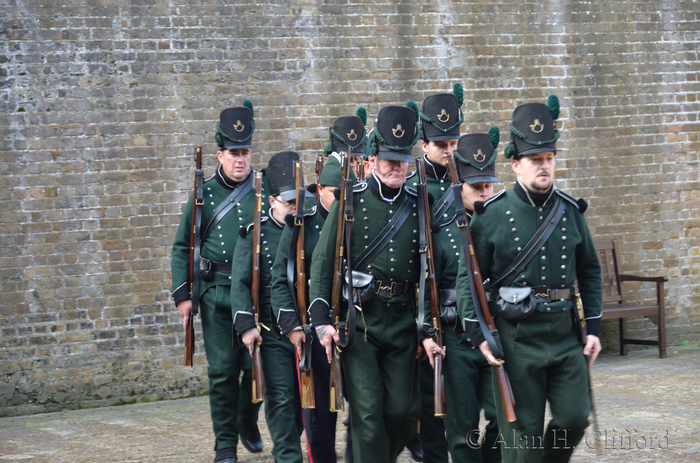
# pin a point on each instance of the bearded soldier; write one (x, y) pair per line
(534, 289)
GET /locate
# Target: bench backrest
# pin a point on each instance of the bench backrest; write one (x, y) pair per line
(609, 255)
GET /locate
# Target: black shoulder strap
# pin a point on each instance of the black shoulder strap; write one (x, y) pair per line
(444, 204)
(226, 205)
(539, 238)
(384, 236)
(423, 248)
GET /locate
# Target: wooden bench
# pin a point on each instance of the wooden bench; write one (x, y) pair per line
(615, 304)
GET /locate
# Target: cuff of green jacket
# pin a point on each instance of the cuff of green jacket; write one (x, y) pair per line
(320, 312)
(593, 326)
(473, 332)
(242, 322)
(182, 293)
(288, 320)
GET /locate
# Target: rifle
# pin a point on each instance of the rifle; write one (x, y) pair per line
(428, 263)
(195, 248)
(258, 380)
(306, 374)
(319, 170)
(481, 304)
(345, 328)
(360, 169)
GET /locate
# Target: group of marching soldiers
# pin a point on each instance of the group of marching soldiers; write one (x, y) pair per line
(403, 289)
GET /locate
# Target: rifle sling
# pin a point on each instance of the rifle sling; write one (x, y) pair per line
(385, 235)
(423, 249)
(291, 264)
(226, 205)
(198, 204)
(346, 331)
(528, 252)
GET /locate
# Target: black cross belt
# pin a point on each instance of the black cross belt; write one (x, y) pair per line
(546, 294)
(389, 289)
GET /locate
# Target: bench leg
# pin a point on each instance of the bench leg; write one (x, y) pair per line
(660, 295)
(623, 336)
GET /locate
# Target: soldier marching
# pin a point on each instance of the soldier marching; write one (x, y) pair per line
(326, 303)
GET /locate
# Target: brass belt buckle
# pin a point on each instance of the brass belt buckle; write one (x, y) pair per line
(389, 288)
(542, 295)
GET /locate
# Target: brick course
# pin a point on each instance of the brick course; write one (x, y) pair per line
(101, 104)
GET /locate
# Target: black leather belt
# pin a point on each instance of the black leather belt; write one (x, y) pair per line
(220, 267)
(389, 289)
(545, 294)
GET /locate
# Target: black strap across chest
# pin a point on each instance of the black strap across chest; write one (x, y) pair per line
(385, 235)
(226, 205)
(444, 204)
(528, 252)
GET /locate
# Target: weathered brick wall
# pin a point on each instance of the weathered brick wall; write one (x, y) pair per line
(102, 103)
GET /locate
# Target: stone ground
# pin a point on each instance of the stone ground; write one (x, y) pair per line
(648, 410)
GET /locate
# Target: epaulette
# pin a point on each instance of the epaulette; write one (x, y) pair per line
(580, 204)
(358, 187)
(411, 173)
(410, 191)
(479, 206)
(243, 231)
(309, 212)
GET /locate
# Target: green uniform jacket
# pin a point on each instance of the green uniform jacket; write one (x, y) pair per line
(220, 244)
(283, 301)
(398, 261)
(505, 226)
(242, 273)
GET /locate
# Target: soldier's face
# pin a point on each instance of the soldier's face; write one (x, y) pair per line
(391, 173)
(476, 192)
(327, 195)
(236, 163)
(535, 171)
(281, 208)
(439, 151)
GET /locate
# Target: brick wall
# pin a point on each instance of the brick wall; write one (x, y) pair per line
(103, 102)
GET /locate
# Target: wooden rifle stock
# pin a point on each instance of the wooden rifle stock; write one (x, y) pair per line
(336, 379)
(197, 203)
(483, 305)
(308, 397)
(439, 379)
(319, 170)
(258, 382)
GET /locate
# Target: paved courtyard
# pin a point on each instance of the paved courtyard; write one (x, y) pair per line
(648, 410)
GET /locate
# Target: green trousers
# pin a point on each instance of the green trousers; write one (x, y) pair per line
(282, 403)
(382, 384)
(230, 402)
(545, 363)
(468, 390)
